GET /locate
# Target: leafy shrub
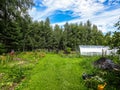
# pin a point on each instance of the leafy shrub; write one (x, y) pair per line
(16, 74)
(113, 79)
(2, 48)
(115, 58)
(93, 82)
(68, 50)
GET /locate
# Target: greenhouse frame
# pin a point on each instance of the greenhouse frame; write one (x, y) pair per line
(90, 50)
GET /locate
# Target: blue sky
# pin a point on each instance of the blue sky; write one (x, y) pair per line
(103, 13)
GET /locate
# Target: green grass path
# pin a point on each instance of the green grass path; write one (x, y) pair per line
(57, 73)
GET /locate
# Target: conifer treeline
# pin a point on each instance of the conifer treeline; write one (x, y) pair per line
(19, 32)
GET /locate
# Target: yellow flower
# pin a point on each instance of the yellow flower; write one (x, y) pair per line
(101, 87)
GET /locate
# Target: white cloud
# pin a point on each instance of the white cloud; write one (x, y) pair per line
(83, 8)
(86, 9)
(58, 4)
(104, 21)
(37, 15)
(102, 1)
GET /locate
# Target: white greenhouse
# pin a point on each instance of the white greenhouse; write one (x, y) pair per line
(90, 50)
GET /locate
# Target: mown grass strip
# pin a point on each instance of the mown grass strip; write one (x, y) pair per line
(54, 72)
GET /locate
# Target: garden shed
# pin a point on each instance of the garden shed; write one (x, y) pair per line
(90, 50)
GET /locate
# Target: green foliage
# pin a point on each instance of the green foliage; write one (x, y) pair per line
(12, 22)
(19, 32)
(115, 41)
(113, 79)
(14, 71)
(25, 34)
(4, 59)
(16, 74)
(107, 38)
(2, 48)
(41, 71)
(48, 70)
(11, 77)
(56, 72)
(94, 82)
(68, 50)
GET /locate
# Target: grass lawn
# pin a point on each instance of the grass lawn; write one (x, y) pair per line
(40, 71)
(54, 72)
